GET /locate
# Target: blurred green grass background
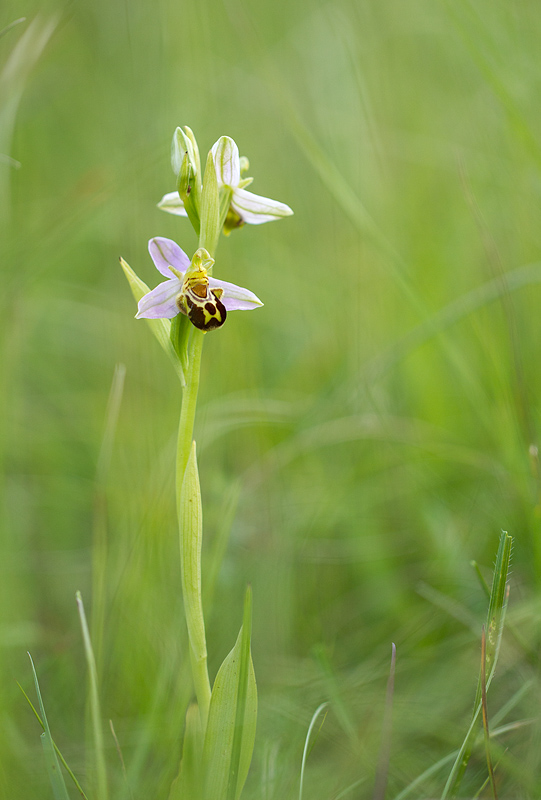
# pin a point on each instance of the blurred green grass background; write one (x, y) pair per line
(379, 417)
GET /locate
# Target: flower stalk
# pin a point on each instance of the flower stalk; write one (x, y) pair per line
(190, 516)
(188, 408)
(191, 536)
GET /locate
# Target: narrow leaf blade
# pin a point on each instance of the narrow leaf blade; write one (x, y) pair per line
(161, 328)
(53, 766)
(210, 208)
(230, 734)
(59, 754)
(101, 791)
(60, 791)
(494, 625)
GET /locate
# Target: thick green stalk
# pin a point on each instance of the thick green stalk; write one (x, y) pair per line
(191, 539)
(200, 675)
(188, 407)
(192, 603)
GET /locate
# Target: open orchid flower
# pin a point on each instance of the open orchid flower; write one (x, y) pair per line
(189, 290)
(245, 206)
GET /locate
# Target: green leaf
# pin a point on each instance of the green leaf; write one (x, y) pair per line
(210, 208)
(187, 185)
(230, 734)
(494, 627)
(161, 328)
(53, 766)
(188, 782)
(229, 219)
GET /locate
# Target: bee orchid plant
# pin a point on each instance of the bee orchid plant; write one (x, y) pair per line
(220, 726)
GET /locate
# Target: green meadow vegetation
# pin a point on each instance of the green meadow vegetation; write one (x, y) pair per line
(362, 440)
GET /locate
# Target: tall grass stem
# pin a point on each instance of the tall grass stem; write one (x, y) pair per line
(101, 790)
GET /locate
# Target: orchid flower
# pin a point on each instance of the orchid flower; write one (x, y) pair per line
(189, 290)
(245, 206)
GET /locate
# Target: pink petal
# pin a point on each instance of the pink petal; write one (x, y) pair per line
(166, 253)
(235, 298)
(160, 303)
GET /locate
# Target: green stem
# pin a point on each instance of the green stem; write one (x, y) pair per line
(200, 675)
(188, 407)
(199, 666)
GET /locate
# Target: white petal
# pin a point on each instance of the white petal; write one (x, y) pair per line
(160, 303)
(226, 158)
(166, 253)
(235, 298)
(172, 203)
(255, 209)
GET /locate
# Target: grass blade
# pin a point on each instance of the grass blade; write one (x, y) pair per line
(305, 752)
(58, 753)
(95, 711)
(382, 771)
(100, 537)
(485, 713)
(120, 758)
(53, 766)
(494, 625)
